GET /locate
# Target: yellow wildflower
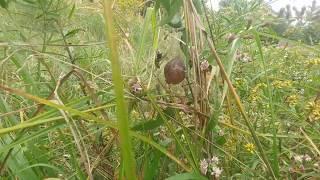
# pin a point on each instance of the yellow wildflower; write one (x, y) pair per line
(314, 111)
(313, 62)
(239, 82)
(250, 147)
(292, 100)
(281, 84)
(254, 95)
(135, 114)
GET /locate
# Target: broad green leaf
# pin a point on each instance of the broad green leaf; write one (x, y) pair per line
(198, 5)
(173, 16)
(187, 176)
(148, 125)
(151, 165)
(29, 1)
(165, 3)
(4, 4)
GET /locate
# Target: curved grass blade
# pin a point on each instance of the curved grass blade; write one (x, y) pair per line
(86, 116)
(121, 110)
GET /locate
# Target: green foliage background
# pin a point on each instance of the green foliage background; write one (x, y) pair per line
(54, 52)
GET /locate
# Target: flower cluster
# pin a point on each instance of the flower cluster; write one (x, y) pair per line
(292, 100)
(239, 82)
(135, 114)
(204, 65)
(314, 111)
(303, 164)
(135, 85)
(314, 62)
(243, 57)
(254, 96)
(92, 85)
(210, 166)
(136, 88)
(250, 147)
(281, 84)
(302, 158)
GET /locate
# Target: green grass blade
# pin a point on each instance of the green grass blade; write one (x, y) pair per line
(143, 37)
(29, 137)
(241, 109)
(229, 65)
(275, 163)
(84, 115)
(122, 113)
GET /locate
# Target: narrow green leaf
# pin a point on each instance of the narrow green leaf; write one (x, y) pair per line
(229, 65)
(86, 116)
(72, 11)
(121, 111)
(29, 137)
(73, 32)
(41, 165)
(142, 40)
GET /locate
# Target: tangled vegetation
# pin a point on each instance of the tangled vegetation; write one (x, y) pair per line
(159, 89)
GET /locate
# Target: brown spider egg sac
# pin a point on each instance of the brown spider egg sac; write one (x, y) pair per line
(174, 71)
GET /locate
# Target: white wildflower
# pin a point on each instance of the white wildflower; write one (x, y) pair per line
(307, 158)
(92, 85)
(214, 160)
(220, 132)
(298, 158)
(183, 137)
(210, 166)
(216, 171)
(204, 166)
(136, 88)
(204, 66)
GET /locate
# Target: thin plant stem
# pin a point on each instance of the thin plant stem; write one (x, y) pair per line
(241, 109)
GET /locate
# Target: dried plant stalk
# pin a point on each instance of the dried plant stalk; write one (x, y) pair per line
(195, 44)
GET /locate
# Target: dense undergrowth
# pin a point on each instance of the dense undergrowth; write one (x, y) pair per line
(249, 107)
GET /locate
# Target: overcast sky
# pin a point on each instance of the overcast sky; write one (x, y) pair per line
(277, 4)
